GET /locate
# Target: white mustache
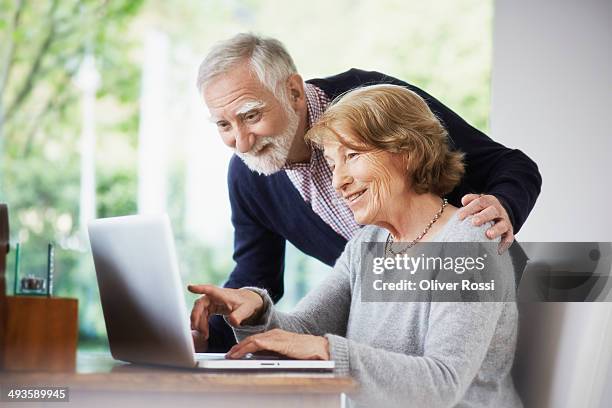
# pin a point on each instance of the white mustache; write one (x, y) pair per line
(276, 156)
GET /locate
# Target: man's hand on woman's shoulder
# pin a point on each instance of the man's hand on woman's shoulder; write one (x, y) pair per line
(487, 208)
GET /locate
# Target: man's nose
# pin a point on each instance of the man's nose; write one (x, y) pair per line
(341, 178)
(244, 140)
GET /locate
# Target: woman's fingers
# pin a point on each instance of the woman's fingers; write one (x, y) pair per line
(293, 345)
(213, 301)
(203, 324)
(248, 304)
(251, 344)
(199, 342)
(242, 313)
(200, 314)
(276, 340)
(198, 308)
(237, 304)
(211, 290)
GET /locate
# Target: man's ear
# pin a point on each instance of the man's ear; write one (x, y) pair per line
(295, 85)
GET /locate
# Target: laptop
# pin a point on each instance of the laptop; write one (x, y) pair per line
(143, 299)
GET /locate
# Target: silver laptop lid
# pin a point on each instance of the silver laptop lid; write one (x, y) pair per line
(141, 290)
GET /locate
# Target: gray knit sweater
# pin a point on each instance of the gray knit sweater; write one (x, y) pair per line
(415, 354)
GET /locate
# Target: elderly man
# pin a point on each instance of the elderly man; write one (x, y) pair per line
(281, 188)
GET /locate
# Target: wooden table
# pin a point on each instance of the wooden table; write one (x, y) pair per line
(99, 381)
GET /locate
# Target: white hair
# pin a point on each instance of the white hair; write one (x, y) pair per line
(267, 58)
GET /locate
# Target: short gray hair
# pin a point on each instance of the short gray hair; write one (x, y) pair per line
(267, 57)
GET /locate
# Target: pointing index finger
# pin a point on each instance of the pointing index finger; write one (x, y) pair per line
(205, 290)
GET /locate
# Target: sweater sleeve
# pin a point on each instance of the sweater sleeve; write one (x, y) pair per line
(458, 338)
(325, 309)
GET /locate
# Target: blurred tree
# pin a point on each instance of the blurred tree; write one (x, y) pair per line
(42, 45)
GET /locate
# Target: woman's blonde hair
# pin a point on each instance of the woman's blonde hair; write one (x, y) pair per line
(394, 119)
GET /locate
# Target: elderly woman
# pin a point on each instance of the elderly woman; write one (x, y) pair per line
(392, 165)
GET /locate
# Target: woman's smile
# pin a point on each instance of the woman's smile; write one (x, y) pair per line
(354, 198)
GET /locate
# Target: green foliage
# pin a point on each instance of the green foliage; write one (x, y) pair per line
(115, 192)
(42, 45)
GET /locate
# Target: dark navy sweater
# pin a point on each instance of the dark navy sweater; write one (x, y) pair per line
(268, 210)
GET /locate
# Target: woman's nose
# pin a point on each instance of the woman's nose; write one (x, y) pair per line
(341, 178)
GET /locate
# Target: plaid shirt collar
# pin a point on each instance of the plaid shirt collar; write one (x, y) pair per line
(316, 103)
(313, 179)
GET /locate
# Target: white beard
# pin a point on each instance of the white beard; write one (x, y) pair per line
(276, 155)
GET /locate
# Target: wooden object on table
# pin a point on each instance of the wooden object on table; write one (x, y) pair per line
(4, 249)
(101, 382)
(40, 334)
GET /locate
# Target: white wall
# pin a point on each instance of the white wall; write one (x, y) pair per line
(552, 98)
